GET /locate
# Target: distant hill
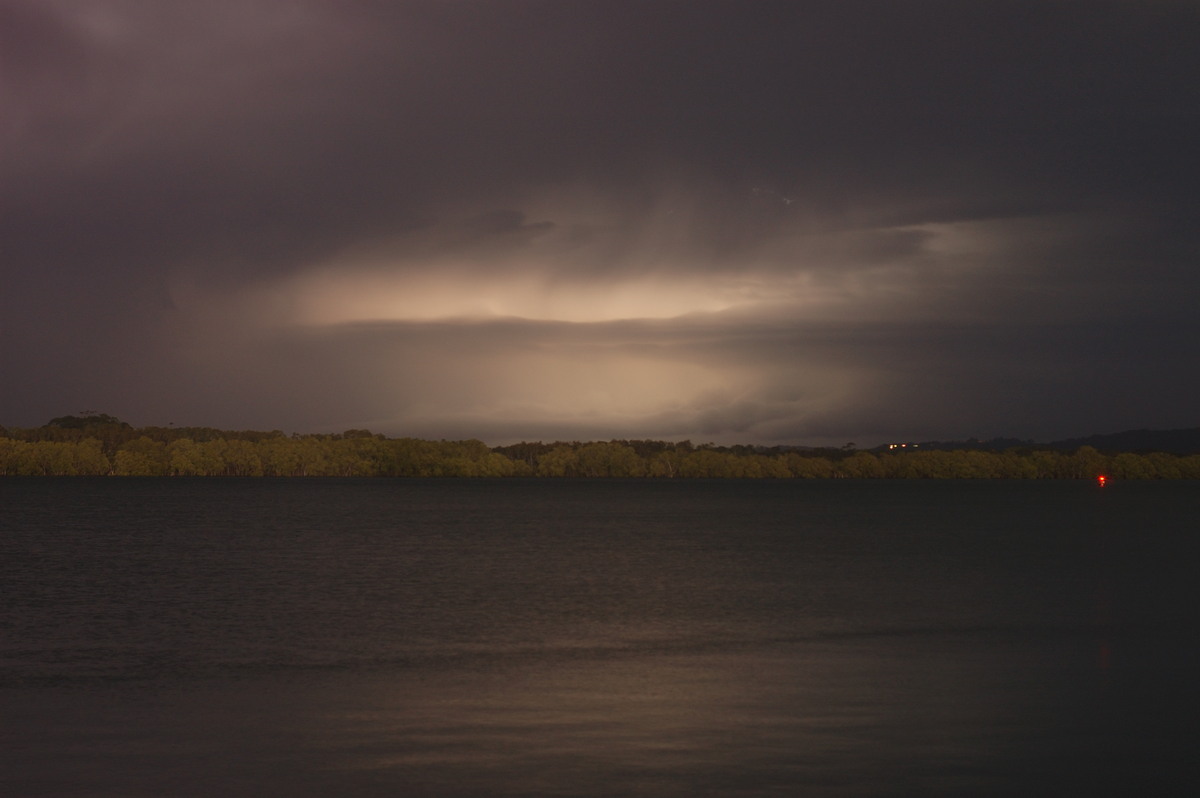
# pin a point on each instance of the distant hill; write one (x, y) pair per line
(86, 420)
(1172, 441)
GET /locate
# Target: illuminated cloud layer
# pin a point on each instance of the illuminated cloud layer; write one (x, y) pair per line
(770, 222)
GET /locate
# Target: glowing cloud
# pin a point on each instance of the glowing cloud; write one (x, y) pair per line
(335, 297)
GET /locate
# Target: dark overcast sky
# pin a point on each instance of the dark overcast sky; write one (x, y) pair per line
(759, 222)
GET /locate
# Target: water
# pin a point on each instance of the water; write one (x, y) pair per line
(592, 638)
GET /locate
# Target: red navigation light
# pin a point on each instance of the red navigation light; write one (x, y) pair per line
(1102, 479)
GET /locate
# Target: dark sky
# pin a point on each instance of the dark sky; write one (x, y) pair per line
(759, 222)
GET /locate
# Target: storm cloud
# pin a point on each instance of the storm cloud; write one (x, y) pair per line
(771, 222)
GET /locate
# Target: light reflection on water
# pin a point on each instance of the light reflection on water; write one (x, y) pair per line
(642, 639)
(834, 718)
(650, 725)
(976, 714)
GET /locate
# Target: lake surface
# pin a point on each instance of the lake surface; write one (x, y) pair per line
(210, 637)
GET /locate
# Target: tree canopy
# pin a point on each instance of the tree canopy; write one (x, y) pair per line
(94, 444)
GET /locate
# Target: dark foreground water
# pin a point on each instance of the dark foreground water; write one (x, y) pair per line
(594, 638)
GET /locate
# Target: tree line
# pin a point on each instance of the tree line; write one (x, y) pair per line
(94, 445)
